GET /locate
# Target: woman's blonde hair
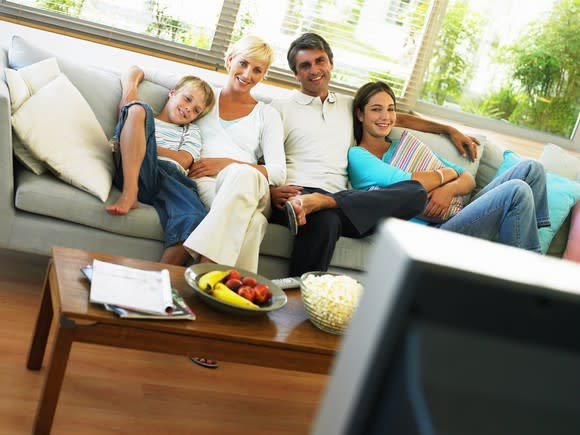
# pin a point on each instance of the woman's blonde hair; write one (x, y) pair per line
(253, 47)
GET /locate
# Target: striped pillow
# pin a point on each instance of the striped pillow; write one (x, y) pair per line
(412, 155)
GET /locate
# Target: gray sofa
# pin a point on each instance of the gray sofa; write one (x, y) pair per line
(39, 211)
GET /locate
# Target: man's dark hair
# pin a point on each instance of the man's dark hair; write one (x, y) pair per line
(307, 41)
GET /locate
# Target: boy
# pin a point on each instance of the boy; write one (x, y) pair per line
(153, 155)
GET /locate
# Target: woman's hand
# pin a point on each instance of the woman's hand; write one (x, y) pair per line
(208, 167)
(461, 141)
(439, 201)
(280, 194)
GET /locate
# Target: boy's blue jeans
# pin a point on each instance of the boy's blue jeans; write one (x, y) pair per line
(162, 185)
(510, 208)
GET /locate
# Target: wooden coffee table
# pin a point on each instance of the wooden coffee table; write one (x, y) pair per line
(283, 339)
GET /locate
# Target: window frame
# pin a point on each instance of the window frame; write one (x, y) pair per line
(212, 59)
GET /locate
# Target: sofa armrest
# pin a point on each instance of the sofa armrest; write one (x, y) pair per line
(6, 166)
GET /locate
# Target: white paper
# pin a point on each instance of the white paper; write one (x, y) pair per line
(142, 290)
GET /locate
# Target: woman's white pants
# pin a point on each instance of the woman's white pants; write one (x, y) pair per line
(238, 200)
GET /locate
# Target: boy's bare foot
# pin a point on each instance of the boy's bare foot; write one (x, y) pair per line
(124, 204)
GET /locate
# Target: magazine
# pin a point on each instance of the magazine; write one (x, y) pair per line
(180, 309)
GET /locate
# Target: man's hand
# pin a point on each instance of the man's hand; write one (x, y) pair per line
(280, 194)
(461, 141)
(439, 202)
(208, 167)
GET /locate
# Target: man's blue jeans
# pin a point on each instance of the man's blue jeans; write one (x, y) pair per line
(510, 208)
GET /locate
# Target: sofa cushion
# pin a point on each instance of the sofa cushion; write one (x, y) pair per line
(22, 84)
(562, 195)
(441, 145)
(46, 195)
(59, 128)
(29, 80)
(412, 155)
(491, 158)
(26, 158)
(100, 88)
(559, 161)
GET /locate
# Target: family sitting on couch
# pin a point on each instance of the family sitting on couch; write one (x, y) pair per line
(291, 162)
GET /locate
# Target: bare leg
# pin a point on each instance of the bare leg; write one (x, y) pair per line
(175, 254)
(303, 205)
(133, 145)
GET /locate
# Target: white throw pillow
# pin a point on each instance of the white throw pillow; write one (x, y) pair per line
(22, 84)
(28, 80)
(561, 162)
(59, 128)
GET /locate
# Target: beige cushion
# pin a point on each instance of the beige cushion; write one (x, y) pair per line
(28, 80)
(59, 128)
(22, 84)
(559, 161)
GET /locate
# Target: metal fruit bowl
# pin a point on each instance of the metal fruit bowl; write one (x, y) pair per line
(193, 273)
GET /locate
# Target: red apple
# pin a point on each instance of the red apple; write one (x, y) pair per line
(234, 274)
(233, 284)
(249, 281)
(263, 294)
(247, 292)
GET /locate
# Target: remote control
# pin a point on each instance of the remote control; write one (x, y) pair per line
(286, 283)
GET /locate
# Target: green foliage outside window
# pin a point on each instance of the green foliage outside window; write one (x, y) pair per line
(545, 63)
(451, 65)
(165, 26)
(71, 8)
(542, 89)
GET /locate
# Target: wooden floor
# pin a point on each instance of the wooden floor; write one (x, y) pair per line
(110, 390)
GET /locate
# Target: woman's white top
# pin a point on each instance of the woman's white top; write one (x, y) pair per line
(256, 135)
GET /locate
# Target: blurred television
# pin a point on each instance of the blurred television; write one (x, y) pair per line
(457, 335)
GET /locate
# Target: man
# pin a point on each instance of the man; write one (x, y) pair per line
(318, 131)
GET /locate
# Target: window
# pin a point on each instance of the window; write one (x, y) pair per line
(477, 65)
(357, 31)
(191, 31)
(181, 21)
(511, 60)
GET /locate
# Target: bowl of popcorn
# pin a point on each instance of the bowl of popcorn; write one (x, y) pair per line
(330, 299)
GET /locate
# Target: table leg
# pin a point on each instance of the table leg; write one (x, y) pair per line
(54, 377)
(43, 322)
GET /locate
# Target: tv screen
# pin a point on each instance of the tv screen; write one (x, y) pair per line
(457, 335)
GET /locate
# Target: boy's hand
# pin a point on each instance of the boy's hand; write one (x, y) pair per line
(133, 76)
(280, 194)
(129, 82)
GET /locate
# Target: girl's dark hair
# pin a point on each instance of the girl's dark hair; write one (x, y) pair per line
(361, 99)
(307, 41)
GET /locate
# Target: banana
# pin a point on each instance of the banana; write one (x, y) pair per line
(223, 293)
(210, 279)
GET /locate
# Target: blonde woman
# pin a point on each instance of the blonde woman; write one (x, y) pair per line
(237, 133)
